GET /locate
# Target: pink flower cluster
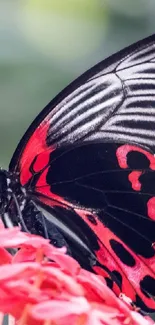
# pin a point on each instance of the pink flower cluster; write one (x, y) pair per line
(41, 285)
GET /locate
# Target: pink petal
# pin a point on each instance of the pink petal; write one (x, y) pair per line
(97, 283)
(102, 315)
(68, 282)
(56, 309)
(66, 262)
(24, 254)
(35, 241)
(23, 290)
(8, 271)
(5, 256)
(12, 237)
(50, 250)
(12, 305)
(30, 248)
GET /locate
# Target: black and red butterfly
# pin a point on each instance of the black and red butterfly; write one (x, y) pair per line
(88, 159)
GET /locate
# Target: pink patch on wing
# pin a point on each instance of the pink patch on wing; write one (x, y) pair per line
(134, 179)
(151, 208)
(42, 161)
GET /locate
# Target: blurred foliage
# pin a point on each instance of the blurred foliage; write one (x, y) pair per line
(45, 44)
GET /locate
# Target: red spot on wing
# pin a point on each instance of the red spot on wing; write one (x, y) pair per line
(34, 147)
(151, 208)
(134, 179)
(41, 161)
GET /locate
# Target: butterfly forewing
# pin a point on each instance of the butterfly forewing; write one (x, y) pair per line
(89, 156)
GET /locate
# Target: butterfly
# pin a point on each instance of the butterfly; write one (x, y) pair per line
(83, 175)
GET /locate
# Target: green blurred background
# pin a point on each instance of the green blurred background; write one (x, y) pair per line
(45, 44)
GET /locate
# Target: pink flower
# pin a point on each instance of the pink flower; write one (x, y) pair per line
(41, 285)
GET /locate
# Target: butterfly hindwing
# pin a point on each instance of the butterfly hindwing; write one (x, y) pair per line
(90, 154)
(102, 184)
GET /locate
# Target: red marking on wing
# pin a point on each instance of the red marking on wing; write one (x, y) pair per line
(131, 276)
(41, 161)
(134, 179)
(105, 254)
(123, 151)
(134, 176)
(151, 208)
(34, 147)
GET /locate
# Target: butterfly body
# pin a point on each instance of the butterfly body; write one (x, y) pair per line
(83, 175)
